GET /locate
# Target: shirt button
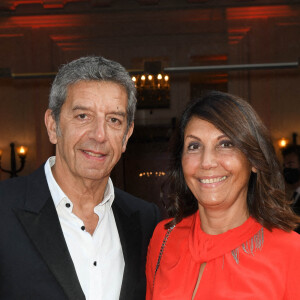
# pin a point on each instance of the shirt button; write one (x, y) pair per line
(82, 228)
(95, 263)
(68, 205)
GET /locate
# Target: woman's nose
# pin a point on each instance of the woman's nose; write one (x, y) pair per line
(208, 159)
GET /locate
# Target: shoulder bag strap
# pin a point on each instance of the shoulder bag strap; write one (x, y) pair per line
(162, 251)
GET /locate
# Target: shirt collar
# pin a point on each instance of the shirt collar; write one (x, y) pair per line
(57, 193)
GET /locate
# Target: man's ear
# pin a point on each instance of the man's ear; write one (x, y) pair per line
(128, 135)
(51, 126)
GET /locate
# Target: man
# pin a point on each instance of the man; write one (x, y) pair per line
(291, 173)
(66, 232)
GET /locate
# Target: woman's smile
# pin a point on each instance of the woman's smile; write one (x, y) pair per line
(216, 172)
(212, 179)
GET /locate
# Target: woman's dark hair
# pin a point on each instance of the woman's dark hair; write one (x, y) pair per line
(235, 117)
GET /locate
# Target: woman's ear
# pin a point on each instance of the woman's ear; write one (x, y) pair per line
(254, 170)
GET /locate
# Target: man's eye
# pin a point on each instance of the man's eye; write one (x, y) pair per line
(115, 121)
(82, 116)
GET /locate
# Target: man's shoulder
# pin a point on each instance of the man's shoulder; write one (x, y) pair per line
(131, 200)
(133, 204)
(142, 213)
(17, 188)
(13, 184)
(19, 181)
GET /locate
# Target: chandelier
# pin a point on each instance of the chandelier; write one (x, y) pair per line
(153, 87)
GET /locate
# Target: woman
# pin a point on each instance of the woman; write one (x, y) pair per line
(230, 235)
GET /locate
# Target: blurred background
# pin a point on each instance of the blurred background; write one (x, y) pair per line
(248, 48)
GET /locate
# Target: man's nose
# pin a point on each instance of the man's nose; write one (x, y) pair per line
(98, 130)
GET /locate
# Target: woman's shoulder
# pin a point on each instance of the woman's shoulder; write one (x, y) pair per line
(284, 240)
(179, 229)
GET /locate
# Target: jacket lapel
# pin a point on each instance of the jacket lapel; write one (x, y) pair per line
(40, 221)
(128, 225)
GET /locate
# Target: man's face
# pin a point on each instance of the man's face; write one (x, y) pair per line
(291, 171)
(291, 161)
(92, 130)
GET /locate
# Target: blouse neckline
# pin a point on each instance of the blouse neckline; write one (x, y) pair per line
(205, 247)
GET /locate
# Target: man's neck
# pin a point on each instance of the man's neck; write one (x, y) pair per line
(82, 190)
(85, 196)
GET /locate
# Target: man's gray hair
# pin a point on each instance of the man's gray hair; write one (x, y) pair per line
(91, 68)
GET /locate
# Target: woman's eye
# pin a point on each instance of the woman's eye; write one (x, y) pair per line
(226, 144)
(193, 146)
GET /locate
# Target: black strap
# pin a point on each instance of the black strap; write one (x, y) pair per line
(162, 251)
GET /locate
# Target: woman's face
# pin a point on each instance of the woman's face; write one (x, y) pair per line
(216, 172)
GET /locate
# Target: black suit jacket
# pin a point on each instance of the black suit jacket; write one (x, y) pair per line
(34, 259)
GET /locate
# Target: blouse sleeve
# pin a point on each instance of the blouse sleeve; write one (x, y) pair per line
(292, 285)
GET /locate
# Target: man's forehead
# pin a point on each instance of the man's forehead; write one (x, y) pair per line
(81, 91)
(97, 83)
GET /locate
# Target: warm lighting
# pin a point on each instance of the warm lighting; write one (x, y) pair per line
(153, 87)
(283, 142)
(21, 151)
(154, 174)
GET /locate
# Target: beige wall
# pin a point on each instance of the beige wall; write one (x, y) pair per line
(35, 38)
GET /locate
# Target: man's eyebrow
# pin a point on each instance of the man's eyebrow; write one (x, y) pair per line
(85, 108)
(79, 107)
(119, 113)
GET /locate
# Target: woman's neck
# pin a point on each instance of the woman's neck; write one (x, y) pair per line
(216, 222)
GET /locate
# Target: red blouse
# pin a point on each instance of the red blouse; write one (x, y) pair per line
(247, 262)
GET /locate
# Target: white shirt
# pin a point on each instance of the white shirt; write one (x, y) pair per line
(298, 194)
(98, 258)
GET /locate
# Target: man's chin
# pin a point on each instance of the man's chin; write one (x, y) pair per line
(96, 175)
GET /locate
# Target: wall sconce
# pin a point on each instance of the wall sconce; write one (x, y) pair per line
(283, 142)
(21, 151)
